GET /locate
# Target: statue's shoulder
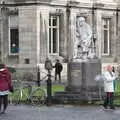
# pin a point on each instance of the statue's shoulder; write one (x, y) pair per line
(87, 25)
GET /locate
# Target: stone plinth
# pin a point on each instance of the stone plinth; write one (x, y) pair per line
(81, 84)
(81, 77)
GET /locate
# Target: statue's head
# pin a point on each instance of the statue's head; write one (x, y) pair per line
(80, 21)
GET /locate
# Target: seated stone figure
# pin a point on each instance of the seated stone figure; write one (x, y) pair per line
(83, 39)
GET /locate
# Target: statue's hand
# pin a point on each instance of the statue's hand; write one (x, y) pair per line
(87, 42)
(83, 43)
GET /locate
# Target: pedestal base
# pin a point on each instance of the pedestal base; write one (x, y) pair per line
(81, 83)
(81, 77)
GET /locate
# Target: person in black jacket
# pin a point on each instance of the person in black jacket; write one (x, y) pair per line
(58, 69)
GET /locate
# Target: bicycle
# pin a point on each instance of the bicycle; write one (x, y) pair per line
(38, 95)
(24, 92)
(21, 92)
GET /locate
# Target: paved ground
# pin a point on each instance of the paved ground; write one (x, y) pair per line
(24, 112)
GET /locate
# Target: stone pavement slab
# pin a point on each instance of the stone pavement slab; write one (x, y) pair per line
(59, 112)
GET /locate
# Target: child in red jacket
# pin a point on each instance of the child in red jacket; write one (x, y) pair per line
(5, 85)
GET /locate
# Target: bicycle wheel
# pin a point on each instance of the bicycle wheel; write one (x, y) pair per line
(20, 95)
(25, 94)
(38, 96)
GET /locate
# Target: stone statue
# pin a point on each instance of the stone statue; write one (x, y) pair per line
(83, 39)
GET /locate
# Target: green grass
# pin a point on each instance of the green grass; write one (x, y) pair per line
(117, 102)
(117, 93)
(57, 88)
(117, 88)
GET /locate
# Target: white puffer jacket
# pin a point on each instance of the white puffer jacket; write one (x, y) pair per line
(109, 81)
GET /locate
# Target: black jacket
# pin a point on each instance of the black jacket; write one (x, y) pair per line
(58, 67)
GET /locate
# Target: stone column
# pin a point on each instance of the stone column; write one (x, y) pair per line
(118, 34)
(44, 33)
(4, 34)
(99, 32)
(28, 34)
(71, 18)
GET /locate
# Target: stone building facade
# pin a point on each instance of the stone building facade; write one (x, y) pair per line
(32, 30)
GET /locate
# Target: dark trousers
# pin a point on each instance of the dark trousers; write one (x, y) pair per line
(109, 100)
(4, 101)
(59, 75)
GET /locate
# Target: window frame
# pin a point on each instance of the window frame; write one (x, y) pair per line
(108, 36)
(9, 34)
(51, 27)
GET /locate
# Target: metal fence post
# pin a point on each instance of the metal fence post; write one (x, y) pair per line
(49, 89)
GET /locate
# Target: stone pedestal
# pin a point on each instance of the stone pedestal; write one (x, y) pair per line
(81, 84)
(81, 78)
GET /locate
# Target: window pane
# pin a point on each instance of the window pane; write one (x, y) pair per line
(54, 21)
(14, 37)
(55, 40)
(105, 41)
(53, 34)
(106, 36)
(50, 40)
(105, 26)
(13, 20)
(50, 21)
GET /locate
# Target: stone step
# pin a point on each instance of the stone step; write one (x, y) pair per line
(76, 96)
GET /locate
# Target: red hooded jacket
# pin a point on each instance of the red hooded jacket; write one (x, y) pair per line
(5, 79)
